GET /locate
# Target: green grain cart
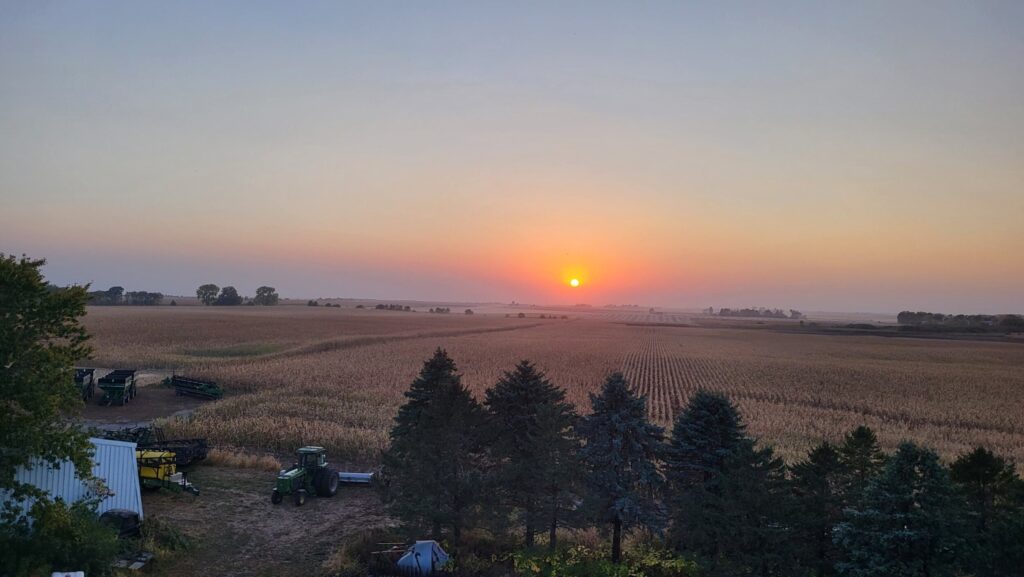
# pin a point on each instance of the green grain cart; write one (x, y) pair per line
(118, 387)
(310, 473)
(85, 380)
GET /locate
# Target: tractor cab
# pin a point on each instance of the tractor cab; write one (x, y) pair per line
(312, 458)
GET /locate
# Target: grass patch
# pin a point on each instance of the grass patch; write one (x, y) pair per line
(234, 351)
(240, 460)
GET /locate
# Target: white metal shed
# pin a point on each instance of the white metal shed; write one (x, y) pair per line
(113, 462)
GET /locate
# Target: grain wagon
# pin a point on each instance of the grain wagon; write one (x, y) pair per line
(118, 387)
(86, 383)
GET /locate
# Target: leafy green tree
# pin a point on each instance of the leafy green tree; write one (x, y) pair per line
(621, 456)
(435, 459)
(818, 486)
(207, 294)
(909, 522)
(228, 297)
(112, 296)
(995, 499)
(41, 337)
(266, 296)
(729, 501)
(532, 447)
(862, 459)
(143, 298)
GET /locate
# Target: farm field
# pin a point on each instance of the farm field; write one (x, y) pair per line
(296, 375)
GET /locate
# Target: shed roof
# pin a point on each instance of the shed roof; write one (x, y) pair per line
(113, 462)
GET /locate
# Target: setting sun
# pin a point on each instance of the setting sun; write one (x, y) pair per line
(574, 282)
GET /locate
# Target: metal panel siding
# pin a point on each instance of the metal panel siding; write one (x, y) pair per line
(113, 462)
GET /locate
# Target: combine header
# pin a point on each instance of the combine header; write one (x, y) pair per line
(186, 451)
(85, 379)
(195, 387)
(118, 387)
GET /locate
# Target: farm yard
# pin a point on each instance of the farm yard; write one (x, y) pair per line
(295, 375)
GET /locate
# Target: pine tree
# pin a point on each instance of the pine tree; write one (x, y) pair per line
(704, 435)
(532, 447)
(995, 498)
(729, 500)
(909, 522)
(817, 485)
(862, 458)
(621, 454)
(435, 459)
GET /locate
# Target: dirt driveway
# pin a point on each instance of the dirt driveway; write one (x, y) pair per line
(237, 531)
(152, 401)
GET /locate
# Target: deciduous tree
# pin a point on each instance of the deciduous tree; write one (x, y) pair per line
(228, 297)
(266, 296)
(207, 294)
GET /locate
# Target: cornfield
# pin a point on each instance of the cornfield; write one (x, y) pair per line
(336, 378)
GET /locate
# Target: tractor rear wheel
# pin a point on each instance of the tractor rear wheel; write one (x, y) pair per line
(326, 482)
(332, 482)
(300, 497)
(276, 497)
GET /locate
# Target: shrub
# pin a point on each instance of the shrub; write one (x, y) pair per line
(62, 538)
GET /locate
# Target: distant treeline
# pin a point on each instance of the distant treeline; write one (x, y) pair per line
(212, 295)
(757, 313)
(972, 323)
(405, 308)
(115, 295)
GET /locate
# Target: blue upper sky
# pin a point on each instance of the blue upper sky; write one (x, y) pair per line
(854, 156)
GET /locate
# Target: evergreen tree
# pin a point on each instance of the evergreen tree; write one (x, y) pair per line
(621, 453)
(729, 501)
(908, 522)
(995, 498)
(862, 458)
(817, 485)
(435, 459)
(532, 447)
(704, 436)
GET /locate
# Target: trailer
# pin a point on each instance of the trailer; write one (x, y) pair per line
(118, 387)
(195, 387)
(85, 380)
(157, 470)
(185, 451)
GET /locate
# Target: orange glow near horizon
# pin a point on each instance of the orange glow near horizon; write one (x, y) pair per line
(574, 282)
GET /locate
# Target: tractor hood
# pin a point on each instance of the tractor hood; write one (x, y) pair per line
(289, 474)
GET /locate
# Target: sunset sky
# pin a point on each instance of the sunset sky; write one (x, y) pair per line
(862, 156)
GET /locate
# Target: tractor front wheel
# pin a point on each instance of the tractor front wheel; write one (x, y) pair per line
(300, 497)
(276, 497)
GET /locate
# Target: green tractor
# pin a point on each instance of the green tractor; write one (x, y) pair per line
(310, 473)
